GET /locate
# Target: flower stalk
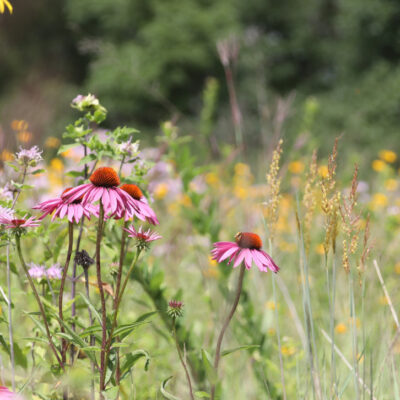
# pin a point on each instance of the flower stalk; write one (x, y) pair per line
(62, 285)
(40, 304)
(226, 324)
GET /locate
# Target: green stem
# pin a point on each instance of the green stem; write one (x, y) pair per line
(61, 293)
(103, 302)
(226, 324)
(178, 348)
(42, 311)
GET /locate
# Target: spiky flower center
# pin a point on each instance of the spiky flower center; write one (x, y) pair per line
(105, 177)
(18, 222)
(248, 240)
(132, 190)
(77, 201)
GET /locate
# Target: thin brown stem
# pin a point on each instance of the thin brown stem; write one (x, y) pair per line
(62, 285)
(37, 297)
(226, 324)
(103, 302)
(178, 348)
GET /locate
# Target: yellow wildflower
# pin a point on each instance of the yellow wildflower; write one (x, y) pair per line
(391, 184)
(296, 167)
(186, 201)
(161, 190)
(240, 192)
(52, 142)
(6, 155)
(378, 165)
(19, 125)
(323, 171)
(57, 165)
(341, 328)
(288, 350)
(212, 263)
(212, 179)
(242, 169)
(7, 4)
(388, 155)
(397, 268)
(270, 305)
(24, 136)
(320, 249)
(379, 200)
(211, 273)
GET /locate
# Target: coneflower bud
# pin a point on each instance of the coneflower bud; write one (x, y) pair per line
(175, 309)
(83, 259)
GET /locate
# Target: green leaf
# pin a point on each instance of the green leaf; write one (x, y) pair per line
(92, 307)
(66, 147)
(202, 395)
(13, 166)
(167, 395)
(20, 357)
(38, 171)
(244, 347)
(125, 330)
(38, 323)
(132, 358)
(208, 366)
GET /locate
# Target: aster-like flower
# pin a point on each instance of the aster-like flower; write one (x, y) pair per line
(6, 192)
(54, 272)
(29, 156)
(116, 202)
(175, 309)
(6, 394)
(73, 211)
(36, 271)
(128, 148)
(247, 249)
(11, 223)
(142, 209)
(143, 237)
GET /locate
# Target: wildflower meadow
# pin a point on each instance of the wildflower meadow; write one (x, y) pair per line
(185, 265)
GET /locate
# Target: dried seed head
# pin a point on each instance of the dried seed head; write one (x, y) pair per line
(83, 259)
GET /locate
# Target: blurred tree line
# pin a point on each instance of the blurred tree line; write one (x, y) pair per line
(149, 60)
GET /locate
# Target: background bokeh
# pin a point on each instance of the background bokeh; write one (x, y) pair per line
(150, 61)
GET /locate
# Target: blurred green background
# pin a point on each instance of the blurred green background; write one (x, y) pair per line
(330, 65)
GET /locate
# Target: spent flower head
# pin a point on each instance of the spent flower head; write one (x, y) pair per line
(86, 103)
(175, 309)
(83, 259)
(29, 157)
(128, 148)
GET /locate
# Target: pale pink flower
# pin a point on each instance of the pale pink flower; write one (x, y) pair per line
(141, 235)
(10, 223)
(73, 211)
(54, 272)
(116, 202)
(247, 249)
(6, 212)
(29, 156)
(36, 271)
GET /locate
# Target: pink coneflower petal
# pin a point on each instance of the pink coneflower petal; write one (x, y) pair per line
(246, 249)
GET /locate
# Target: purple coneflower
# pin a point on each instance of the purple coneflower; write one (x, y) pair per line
(141, 210)
(73, 211)
(247, 249)
(143, 237)
(103, 187)
(10, 223)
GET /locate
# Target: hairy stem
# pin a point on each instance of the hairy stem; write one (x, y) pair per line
(37, 297)
(226, 324)
(103, 302)
(62, 285)
(183, 362)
